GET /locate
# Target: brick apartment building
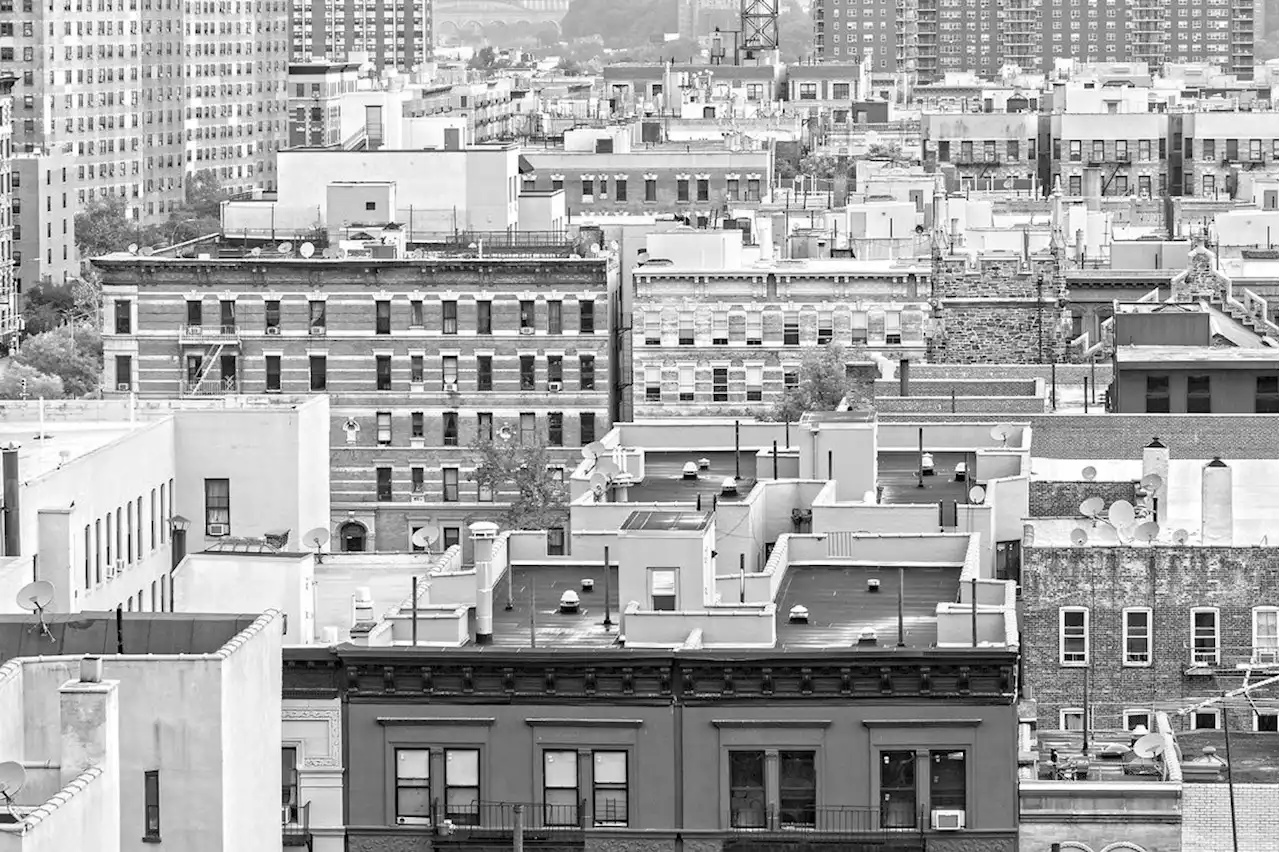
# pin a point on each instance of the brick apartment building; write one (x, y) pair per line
(419, 359)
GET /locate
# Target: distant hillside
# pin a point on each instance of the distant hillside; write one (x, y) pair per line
(620, 22)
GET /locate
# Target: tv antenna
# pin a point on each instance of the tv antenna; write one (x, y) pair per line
(1002, 434)
(1090, 473)
(12, 779)
(316, 539)
(35, 597)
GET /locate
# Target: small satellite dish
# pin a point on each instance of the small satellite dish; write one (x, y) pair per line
(977, 494)
(284, 248)
(505, 433)
(1121, 513)
(613, 245)
(430, 531)
(1079, 537)
(1002, 434)
(1152, 482)
(307, 250)
(1149, 746)
(609, 468)
(35, 597)
(256, 251)
(133, 248)
(146, 251)
(599, 482)
(421, 539)
(589, 452)
(1147, 532)
(316, 538)
(597, 449)
(1180, 536)
(1092, 507)
(12, 779)
(1089, 474)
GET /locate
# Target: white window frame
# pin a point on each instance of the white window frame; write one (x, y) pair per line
(1126, 636)
(1064, 712)
(1272, 652)
(1217, 716)
(1062, 636)
(675, 585)
(1129, 712)
(1217, 634)
(688, 382)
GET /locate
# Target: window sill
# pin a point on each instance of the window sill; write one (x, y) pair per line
(150, 838)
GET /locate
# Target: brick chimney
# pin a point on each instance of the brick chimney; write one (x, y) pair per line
(90, 714)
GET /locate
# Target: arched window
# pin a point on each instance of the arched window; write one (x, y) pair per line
(352, 536)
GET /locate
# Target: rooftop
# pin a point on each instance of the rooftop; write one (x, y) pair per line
(62, 442)
(95, 633)
(840, 606)
(668, 521)
(664, 480)
(389, 580)
(1218, 356)
(533, 593)
(900, 483)
(807, 266)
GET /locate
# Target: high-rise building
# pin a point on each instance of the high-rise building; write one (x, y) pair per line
(148, 92)
(982, 36)
(44, 219)
(394, 33)
(8, 306)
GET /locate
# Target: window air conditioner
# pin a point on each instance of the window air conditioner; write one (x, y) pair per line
(948, 820)
(273, 329)
(554, 386)
(119, 566)
(451, 387)
(217, 529)
(526, 329)
(111, 570)
(124, 386)
(413, 820)
(317, 331)
(417, 498)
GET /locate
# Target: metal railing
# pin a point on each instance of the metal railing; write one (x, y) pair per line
(190, 332)
(498, 819)
(852, 822)
(297, 825)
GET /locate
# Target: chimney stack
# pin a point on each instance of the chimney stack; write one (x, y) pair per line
(362, 607)
(1218, 519)
(483, 535)
(904, 377)
(1155, 459)
(90, 721)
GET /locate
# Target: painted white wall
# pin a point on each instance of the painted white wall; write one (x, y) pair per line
(250, 582)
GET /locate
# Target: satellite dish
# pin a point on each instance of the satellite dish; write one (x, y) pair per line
(1180, 536)
(430, 531)
(1079, 537)
(1120, 514)
(597, 449)
(307, 250)
(35, 597)
(589, 452)
(316, 538)
(610, 469)
(1149, 746)
(1147, 532)
(256, 251)
(505, 433)
(613, 245)
(146, 251)
(1152, 482)
(133, 248)
(422, 538)
(599, 482)
(1089, 474)
(1001, 433)
(12, 779)
(1092, 507)
(285, 248)
(977, 494)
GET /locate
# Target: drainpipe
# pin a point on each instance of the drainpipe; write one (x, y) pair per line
(12, 502)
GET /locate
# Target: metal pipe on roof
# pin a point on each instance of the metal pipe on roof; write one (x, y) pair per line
(973, 606)
(608, 620)
(775, 459)
(413, 597)
(902, 630)
(737, 450)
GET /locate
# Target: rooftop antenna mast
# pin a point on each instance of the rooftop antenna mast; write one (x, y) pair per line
(759, 26)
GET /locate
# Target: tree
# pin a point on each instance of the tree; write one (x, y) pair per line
(569, 67)
(38, 385)
(104, 226)
(72, 352)
(45, 306)
(823, 383)
(505, 465)
(485, 59)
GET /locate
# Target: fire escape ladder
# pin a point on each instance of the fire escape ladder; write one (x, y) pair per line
(1115, 168)
(206, 367)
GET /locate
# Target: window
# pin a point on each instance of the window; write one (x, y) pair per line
(554, 318)
(1071, 719)
(484, 372)
(586, 316)
(526, 315)
(462, 785)
(555, 428)
(720, 328)
(1157, 394)
(755, 382)
(383, 366)
(384, 428)
(1265, 646)
(1198, 395)
(413, 785)
(555, 541)
(273, 372)
(450, 429)
(1204, 637)
(560, 787)
(217, 507)
(528, 428)
(826, 332)
(650, 189)
(527, 378)
(484, 317)
(753, 189)
(484, 425)
(653, 383)
(1208, 148)
(947, 780)
(1073, 636)
(1009, 560)
(587, 427)
(288, 782)
(555, 369)
(318, 373)
(382, 317)
(1206, 719)
(449, 317)
(704, 189)
(1134, 718)
(417, 314)
(382, 477)
(1267, 395)
(124, 316)
(686, 373)
(609, 788)
(620, 189)
(898, 789)
(733, 190)
(449, 478)
(682, 189)
(418, 369)
(417, 484)
(587, 372)
(151, 795)
(791, 329)
(1137, 637)
(662, 589)
(124, 370)
(746, 789)
(755, 328)
(790, 376)
(195, 313)
(797, 788)
(449, 373)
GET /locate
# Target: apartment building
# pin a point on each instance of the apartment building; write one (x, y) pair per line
(316, 92)
(8, 287)
(1216, 147)
(1111, 153)
(881, 30)
(395, 34)
(420, 358)
(150, 92)
(985, 150)
(44, 219)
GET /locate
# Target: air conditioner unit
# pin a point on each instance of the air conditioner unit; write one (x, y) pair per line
(317, 331)
(948, 820)
(111, 570)
(417, 498)
(216, 529)
(195, 329)
(527, 329)
(554, 386)
(124, 386)
(119, 566)
(286, 814)
(273, 330)
(451, 387)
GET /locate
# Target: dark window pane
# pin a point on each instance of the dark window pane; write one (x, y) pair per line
(746, 789)
(947, 780)
(797, 788)
(898, 789)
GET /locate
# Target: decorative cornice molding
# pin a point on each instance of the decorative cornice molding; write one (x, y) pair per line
(771, 723)
(565, 722)
(426, 721)
(922, 723)
(332, 717)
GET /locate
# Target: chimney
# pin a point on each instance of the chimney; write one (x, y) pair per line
(1080, 245)
(483, 534)
(12, 502)
(90, 720)
(1218, 519)
(362, 607)
(904, 377)
(1155, 459)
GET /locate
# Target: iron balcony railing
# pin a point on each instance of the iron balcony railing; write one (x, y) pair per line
(197, 333)
(863, 824)
(297, 825)
(497, 820)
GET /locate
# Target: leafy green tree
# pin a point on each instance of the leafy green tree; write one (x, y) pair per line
(46, 305)
(37, 385)
(506, 466)
(104, 226)
(72, 352)
(823, 383)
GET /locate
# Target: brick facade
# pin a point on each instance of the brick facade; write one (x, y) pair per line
(1206, 817)
(1168, 580)
(1063, 499)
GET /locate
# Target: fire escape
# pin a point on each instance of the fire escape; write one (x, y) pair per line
(1019, 25)
(1147, 36)
(206, 349)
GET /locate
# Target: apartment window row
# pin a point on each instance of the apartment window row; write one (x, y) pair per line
(782, 328)
(717, 383)
(1111, 150)
(1133, 718)
(688, 188)
(479, 375)
(1204, 639)
(993, 151)
(1231, 150)
(447, 484)
(1198, 398)
(126, 535)
(445, 429)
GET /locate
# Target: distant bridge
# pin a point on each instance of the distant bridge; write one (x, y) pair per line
(454, 18)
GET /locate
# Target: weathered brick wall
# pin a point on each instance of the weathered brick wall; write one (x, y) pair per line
(945, 387)
(1066, 373)
(1155, 834)
(1169, 580)
(1063, 499)
(1206, 817)
(1002, 405)
(999, 332)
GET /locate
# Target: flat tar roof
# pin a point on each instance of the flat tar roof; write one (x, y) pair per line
(534, 596)
(664, 480)
(1218, 356)
(37, 456)
(95, 633)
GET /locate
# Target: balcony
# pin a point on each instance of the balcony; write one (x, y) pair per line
(297, 826)
(209, 387)
(541, 825)
(208, 334)
(837, 827)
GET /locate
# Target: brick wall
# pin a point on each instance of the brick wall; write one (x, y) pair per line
(1063, 499)
(960, 385)
(1206, 817)
(973, 332)
(1066, 373)
(1003, 405)
(1170, 581)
